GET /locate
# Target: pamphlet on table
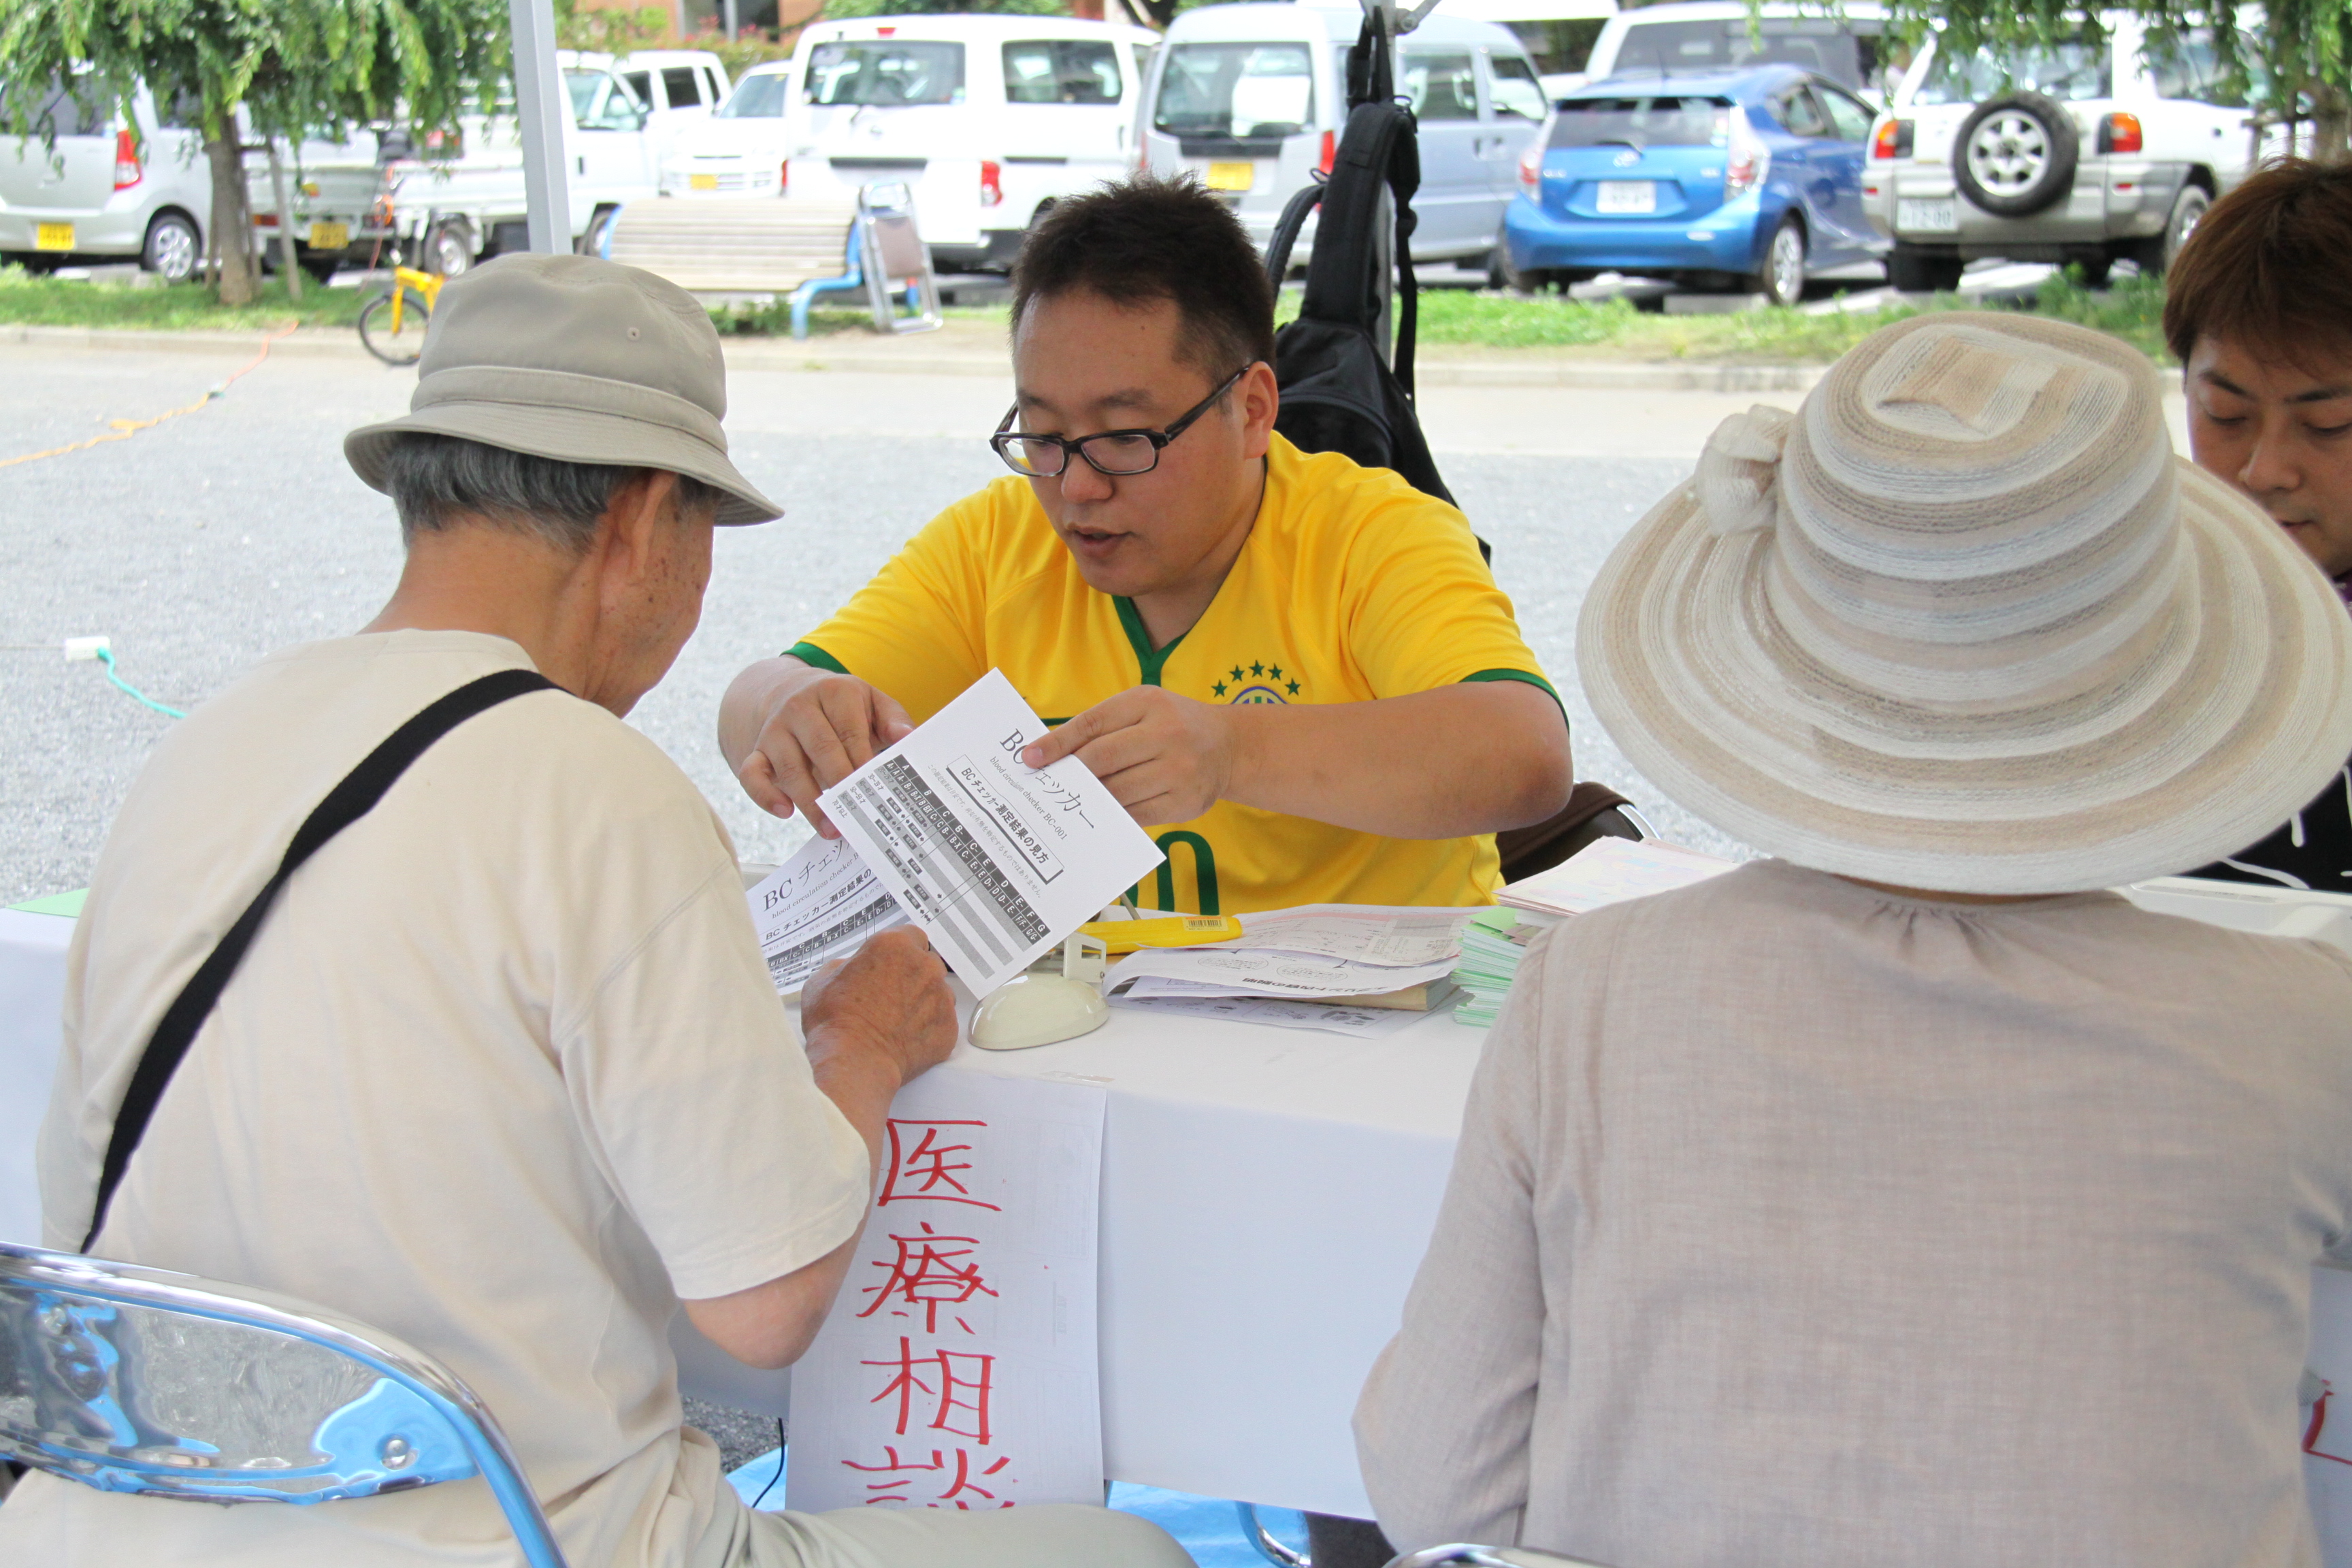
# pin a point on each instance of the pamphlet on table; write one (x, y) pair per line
(995, 861)
(1315, 953)
(1331, 1017)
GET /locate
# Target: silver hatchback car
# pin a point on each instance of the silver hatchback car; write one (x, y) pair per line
(106, 190)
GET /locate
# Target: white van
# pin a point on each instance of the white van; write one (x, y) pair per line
(1852, 48)
(989, 120)
(1252, 98)
(1558, 34)
(740, 149)
(679, 88)
(460, 197)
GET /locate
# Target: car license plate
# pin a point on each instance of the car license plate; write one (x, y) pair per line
(53, 237)
(702, 182)
(330, 235)
(1628, 197)
(1932, 216)
(1232, 176)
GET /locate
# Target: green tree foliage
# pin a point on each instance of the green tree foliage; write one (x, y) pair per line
(2293, 58)
(296, 67)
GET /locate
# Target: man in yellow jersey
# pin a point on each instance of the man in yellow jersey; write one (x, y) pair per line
(1295, 672)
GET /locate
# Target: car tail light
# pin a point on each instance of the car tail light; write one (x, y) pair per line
(1892, 141)
(126, 160)
(1532, 160)
(991, 184)
(784, 178)
(1747, 161)
(260, 220)
(1331, 151)
(2119, 132)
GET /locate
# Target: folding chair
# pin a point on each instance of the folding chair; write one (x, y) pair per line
(1487, 1557)
(896, 261)
(142, 1380)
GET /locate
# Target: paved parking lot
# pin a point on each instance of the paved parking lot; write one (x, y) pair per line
(205, 543)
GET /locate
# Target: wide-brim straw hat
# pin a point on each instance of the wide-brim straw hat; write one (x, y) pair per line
(1964, 623)
(578, 359)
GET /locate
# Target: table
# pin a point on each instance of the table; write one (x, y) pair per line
(32, 992)
(1268, 1195)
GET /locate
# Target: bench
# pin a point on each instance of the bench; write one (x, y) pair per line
(790, 248)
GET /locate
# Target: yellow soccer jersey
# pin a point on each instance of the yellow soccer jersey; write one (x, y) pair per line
(1353, 586)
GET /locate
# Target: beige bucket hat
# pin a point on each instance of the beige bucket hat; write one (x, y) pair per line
(1966, 622)
(578, 359)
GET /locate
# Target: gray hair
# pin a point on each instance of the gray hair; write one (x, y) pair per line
(434, 481)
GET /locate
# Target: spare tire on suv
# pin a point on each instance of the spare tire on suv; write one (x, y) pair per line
(2016, 155)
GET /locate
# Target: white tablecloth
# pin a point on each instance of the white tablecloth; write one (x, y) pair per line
(1266, 1196)
(32, 989)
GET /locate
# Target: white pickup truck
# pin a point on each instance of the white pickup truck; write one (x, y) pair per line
(458, 198)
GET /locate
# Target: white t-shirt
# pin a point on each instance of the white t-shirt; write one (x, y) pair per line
(502, 1075)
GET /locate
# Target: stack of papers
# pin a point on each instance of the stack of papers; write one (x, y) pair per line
(1492, 945)
(1350, 963)
(1607, 871)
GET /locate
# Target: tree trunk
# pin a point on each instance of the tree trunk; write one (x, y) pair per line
(2330, 112)
(232, 224)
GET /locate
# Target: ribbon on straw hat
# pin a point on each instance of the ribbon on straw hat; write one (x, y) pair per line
(1966, 622)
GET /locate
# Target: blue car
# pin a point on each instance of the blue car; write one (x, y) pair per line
(1734, 179)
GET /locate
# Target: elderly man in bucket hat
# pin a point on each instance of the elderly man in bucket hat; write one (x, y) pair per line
(1908, 1198)
(499, 1071)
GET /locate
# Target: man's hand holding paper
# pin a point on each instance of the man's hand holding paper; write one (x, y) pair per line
(1165, 758)
(818, 729)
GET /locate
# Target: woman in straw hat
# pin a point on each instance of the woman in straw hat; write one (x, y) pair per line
(1907, 1198)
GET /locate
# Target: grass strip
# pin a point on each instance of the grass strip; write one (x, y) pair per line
(1450, 318)
(33, 299)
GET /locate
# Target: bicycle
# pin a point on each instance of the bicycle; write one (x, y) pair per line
(393, 324)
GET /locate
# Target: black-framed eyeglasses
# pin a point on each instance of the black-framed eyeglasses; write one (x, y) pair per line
(1119, 453)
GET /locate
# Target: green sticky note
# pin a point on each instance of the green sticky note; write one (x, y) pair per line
(66, 904)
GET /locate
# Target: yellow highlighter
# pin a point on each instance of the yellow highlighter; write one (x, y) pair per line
(1179, 930)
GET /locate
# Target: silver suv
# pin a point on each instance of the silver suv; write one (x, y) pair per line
(106, 190)
(2080, 152)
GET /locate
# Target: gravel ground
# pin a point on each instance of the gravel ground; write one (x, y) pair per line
(206, 542)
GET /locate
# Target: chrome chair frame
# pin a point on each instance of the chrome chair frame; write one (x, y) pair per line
(1465, 1555)
(70, 1355)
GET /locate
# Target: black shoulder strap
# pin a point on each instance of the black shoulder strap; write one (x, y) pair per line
(345, 804)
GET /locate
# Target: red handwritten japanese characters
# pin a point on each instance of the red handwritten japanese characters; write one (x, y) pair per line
(934, 1387)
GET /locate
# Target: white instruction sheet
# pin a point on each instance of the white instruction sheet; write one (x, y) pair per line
(996, 861)
(1365, 934)
(1223, 971)
(958, 1367)
(1362, 1023)
(820, 905)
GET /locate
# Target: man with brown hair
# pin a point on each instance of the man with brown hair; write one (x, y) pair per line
(2259, 312)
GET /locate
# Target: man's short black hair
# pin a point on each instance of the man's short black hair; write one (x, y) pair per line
(1147, 239)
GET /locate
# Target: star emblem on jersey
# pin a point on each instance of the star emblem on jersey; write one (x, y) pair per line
(1255, 683)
